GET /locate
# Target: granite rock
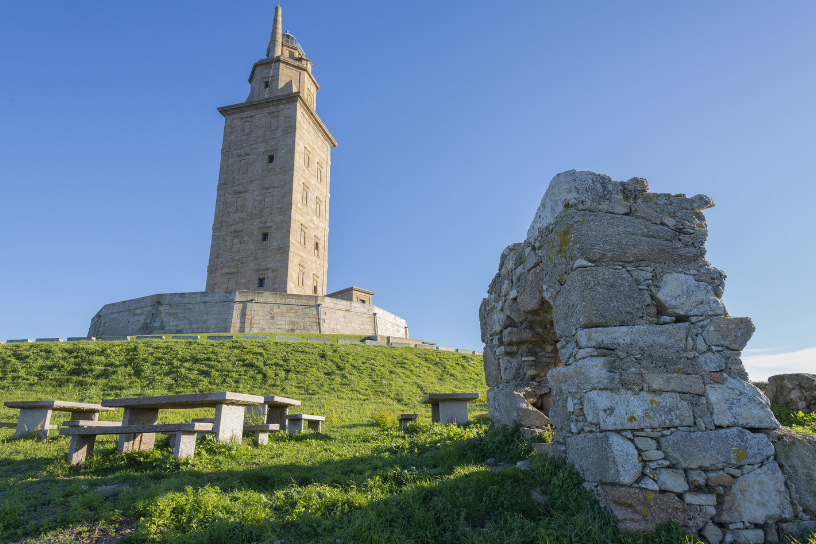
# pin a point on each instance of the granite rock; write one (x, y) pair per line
(604, 458)
(715, 449)
(736, 403)
(640, 509)
(729, 332)
(758, 497)
(796, 455)
(682, 295)
(796, 391)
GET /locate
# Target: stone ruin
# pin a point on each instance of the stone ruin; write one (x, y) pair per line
(607, 324)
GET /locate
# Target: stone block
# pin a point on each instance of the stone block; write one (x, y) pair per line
(507, 406)
(442, 348)
(720, 477)
(147, 337)
(81, 339)
(114, 339)
(20, 341)
(796, 391)
(700, 499)
(600, 238)
(245, 337)
(729, 332)
(185, 337)
(49, 340)
(468, 351)
(320, 340)
(715, 449)
(297, 339)
(617, 410)
(599, 297)
(221, 337)
(746, 536)
(796, 455)
(679, 383)
(347, 341)
(376, 343)
(515, 335)
(798, 527)
(667, 341)
(402, 345)
(712, 533)
(184, 446)
(642, 509)
(736, 403)
(759, 497)
(578, 190)
(681, 295)
(591, 373)
(477, 352)
(669, 479)
(604, 458)
(645, 443)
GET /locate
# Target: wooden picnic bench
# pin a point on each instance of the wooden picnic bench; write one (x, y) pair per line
(83, 436)
(35, 415)
(449, 407)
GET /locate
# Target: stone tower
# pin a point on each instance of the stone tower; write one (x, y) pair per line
(271, 226)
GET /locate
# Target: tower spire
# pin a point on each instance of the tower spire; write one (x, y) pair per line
(276, 40)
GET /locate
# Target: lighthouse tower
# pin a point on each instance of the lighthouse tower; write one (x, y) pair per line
(271, 225)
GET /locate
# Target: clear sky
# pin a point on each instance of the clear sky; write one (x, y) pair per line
(451, 119)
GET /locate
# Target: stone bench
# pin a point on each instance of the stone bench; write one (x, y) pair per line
(449, 407)
(272, 411)
(83, 437)
(35, 415)
(405, 419)
(295, 423)
(261, 431)
(8, 425)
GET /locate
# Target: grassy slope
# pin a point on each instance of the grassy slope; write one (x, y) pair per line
(356, 482)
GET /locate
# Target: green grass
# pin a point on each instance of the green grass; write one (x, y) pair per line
(799, 422)
(362, 480)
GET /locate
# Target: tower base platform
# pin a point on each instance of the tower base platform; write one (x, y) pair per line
(243, 311)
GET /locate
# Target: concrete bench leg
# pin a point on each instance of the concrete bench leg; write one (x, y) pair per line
(276, 415)
(85, 416)
(453, 411)
(315, 425)
(435, 413)
(33, 422)
(229, 423)
(185, 444)
(261, 438)
(295, 426)
(173, 441)
(81, 448)
(138, 441)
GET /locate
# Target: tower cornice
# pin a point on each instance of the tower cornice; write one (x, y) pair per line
(286, 61)
(292, 97)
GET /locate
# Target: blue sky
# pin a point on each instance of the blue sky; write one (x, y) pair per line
(451, 119)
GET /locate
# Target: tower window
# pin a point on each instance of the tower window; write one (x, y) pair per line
(318, 207)
(315, 289)
(270, 159)
(266, 84)
(261, 283)
(317, 247)
(301, 276)
(307, 159)
(265, 237)
(303, 235)
(305, 196)
(319, 173)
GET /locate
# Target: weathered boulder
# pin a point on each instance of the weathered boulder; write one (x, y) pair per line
(682, 295)
(729, 332)
(715, 449)
(738, 403)
(491, 366)
(643, 510)
(578, 190)
(616, 410)
(796, 455)
(680, 383)
(506, 406)
(604, 458)
(599, 297)
(796, 391)
(757, 497)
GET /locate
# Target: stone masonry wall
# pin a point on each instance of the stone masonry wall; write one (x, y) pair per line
(234, 311)
(608, 323)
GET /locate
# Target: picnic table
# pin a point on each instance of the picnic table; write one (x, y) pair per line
(228, 423)
(140, 423)
(35, 415)
(449, 407)
(273, 410)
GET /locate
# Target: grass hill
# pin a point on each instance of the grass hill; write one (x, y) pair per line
(362, 480)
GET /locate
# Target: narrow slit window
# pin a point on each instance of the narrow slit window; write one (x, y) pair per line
(265, 237)
(270, 159)
(261, 283)
(317, 247)
(266, 84)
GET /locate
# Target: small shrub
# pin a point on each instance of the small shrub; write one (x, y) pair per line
(384, 418)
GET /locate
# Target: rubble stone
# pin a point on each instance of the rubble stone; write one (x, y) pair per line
(682, 295)
(796, 391)
(738, 403)
(729, 332)
(642, 509)
(796, 455)
(669, 479)
(615, 410)
(759, 497)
